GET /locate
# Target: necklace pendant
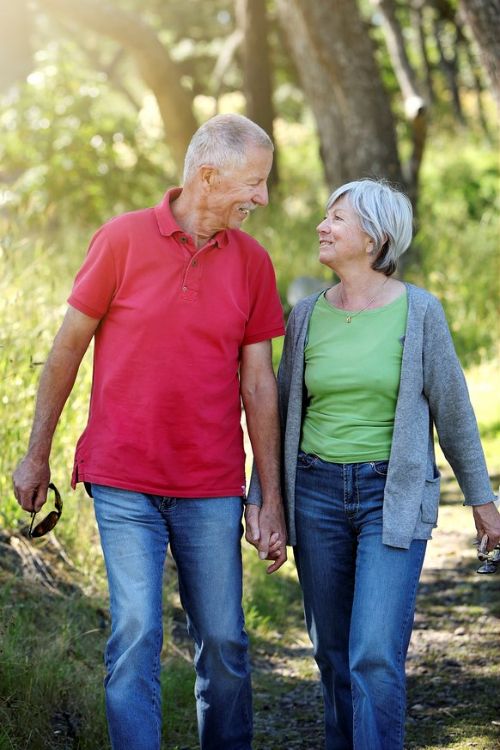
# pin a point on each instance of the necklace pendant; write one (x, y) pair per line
(348, 319)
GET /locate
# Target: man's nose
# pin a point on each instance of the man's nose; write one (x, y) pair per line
(261, 197)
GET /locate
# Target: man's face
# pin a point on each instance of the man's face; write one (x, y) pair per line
(238, 190)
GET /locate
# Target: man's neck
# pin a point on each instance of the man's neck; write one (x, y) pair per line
(191, 218)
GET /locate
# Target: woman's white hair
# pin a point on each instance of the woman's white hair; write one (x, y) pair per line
(385, 214)
(222, 142)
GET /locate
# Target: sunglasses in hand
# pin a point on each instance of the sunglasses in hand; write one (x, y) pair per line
(490, 560)
(47, 523)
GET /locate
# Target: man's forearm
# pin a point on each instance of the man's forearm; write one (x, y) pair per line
(263, 429)
(56, 382)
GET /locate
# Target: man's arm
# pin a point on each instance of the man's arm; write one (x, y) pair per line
(265, 525)
(32, 475)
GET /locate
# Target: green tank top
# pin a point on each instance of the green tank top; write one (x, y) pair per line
(352, 373)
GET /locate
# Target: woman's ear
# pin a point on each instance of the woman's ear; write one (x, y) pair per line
(372, 250)
(370, 247)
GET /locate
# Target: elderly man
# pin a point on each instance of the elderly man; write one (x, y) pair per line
(182, 305)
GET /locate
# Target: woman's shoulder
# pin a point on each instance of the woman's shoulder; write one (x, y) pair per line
(420, 295)
(306, 304)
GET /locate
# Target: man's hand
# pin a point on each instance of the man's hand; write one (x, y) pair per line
(266, 530)
(31, 480)
(487, 520)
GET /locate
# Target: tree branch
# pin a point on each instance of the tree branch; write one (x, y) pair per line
(158, 71)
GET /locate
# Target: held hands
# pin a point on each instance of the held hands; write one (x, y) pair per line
(31, 480)
(266, 531)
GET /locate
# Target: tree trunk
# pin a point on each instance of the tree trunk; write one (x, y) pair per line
(340, 78)
(155, 66)
(483, 17)
(257, 75)
(415, 106)
(417, 11)
(477, 82)
(449, 66)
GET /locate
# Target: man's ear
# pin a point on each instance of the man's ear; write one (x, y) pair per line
(209, 176)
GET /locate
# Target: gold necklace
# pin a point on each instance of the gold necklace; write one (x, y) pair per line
(350, 317)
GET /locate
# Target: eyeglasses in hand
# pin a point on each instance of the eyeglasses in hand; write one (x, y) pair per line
(47, 523)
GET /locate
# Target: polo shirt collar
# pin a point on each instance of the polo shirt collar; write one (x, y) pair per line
(168, 225)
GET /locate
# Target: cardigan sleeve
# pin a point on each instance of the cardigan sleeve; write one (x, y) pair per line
(446, 391)
(285, 370)
(254, 496)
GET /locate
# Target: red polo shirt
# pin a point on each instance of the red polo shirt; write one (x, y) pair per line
(165, 405)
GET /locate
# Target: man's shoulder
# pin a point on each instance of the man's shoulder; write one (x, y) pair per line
(127, 223)
(246, 243)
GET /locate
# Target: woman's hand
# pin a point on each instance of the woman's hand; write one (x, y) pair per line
(487, 520)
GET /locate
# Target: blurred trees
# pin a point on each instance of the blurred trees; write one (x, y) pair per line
(370, 71)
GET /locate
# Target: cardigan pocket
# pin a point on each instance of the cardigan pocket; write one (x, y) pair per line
(430, 500)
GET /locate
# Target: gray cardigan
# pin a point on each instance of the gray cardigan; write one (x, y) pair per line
(432, 391)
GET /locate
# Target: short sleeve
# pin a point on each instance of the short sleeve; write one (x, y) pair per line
(266, 313)
(95, 283)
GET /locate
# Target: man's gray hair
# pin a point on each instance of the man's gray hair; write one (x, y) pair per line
(385, 214)
(222, 142)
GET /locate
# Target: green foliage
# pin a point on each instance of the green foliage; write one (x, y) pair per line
(458, 240)
(73, 152)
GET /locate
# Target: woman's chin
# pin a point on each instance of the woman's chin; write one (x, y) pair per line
(325, 259)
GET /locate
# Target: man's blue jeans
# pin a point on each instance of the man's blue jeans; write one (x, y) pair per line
(205, 535)
(359, 601)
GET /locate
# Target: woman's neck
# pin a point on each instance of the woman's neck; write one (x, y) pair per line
(356, 290)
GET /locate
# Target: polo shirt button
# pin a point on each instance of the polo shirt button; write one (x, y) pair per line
(184, 239)
(184, 288)
(195, 262)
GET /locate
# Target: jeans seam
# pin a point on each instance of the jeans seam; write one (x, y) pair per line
(356, 484)
(156, 692)
(401, 661)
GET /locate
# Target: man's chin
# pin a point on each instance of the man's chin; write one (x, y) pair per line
(236, 221)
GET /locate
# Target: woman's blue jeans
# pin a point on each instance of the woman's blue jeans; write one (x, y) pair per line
(205, 536)
(359, 601)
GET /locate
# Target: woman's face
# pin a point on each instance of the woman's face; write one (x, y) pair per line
(340, 235)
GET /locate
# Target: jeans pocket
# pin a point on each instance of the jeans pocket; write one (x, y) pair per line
(380, 467)
(306, 460)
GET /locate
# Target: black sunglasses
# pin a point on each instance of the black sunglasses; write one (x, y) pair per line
(47, 523)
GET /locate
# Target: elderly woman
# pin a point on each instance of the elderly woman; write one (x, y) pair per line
(368, 369)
